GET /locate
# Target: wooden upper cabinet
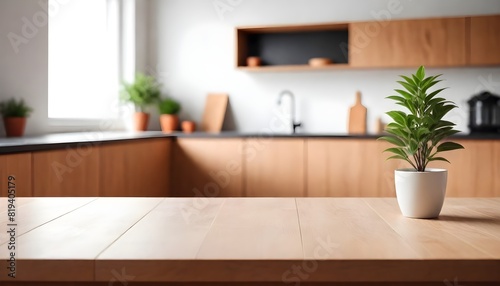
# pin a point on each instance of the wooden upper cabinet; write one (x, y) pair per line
(408, 43)
(18, 166)
(485, 40)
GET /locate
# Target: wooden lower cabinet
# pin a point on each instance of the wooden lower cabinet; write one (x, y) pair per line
(235, 167)
(496, 167)
(358, 168)
(347, 168)
(207, 167)
(19, 167)
(138, 168)
(70, 172)
(475, 171)
(274, 167)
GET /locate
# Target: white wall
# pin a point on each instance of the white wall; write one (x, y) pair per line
(190, 48)
(192, 51)
(24, 74)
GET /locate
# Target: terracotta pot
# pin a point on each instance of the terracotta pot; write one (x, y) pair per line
(169, 122)
(188, 126)
(253, 61)
(141, 120)
(14, 126)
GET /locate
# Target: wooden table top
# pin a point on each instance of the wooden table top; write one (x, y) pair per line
(250, 239)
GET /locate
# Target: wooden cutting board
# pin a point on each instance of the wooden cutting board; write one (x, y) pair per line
(215, 111)
(357, 117)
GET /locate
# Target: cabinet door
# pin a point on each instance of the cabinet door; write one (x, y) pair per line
(496, 167)
(347, 168)
(485, 40)
(72, 172)
(408, 43)
(274, 167)
(473, 172)
(19, 166)
(138, 168)
(207, 167)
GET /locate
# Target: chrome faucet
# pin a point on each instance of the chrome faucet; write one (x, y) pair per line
(292, 106)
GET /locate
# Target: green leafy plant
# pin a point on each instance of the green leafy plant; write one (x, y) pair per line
(144, 91)
(169, 106)
(417, 135)
(15, 108)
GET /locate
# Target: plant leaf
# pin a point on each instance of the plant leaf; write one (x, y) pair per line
(397, 157)
(413, 146)
(449, 146)
(398, 116)
(426, 81)
(394, 140)
(416, 80)
(444, 123)
(409, 80)
(430, 84)
(397, 151)
(405, 94)
(439, 159)
(399, 132)
(421, 72)
(432, 94)
(397, 98)
(409, 87)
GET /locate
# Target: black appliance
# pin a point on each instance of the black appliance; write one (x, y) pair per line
(484, 113)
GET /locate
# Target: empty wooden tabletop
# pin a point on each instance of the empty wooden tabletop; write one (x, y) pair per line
(284, 240)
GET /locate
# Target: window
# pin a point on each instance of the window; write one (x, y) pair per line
(83, 59)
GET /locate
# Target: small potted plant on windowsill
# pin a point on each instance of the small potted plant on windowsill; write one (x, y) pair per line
(169, 120)
(417, 136)
(15, 114)
(144, 91)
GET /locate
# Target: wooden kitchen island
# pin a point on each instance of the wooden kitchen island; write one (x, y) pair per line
(254, 241)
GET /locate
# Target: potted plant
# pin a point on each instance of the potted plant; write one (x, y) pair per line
(15, 113)
(144, 91)
(417, 137)
(169, 120)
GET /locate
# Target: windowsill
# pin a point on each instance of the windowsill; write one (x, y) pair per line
(104, 124)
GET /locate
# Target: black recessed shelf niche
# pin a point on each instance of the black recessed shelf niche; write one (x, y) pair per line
(291, 47)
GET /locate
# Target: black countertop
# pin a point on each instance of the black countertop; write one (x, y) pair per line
(64, 140)
(317, 135)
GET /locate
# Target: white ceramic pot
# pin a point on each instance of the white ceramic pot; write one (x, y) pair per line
(421, 194)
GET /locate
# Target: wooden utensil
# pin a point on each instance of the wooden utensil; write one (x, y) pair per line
(215, 111)
(357, 117)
